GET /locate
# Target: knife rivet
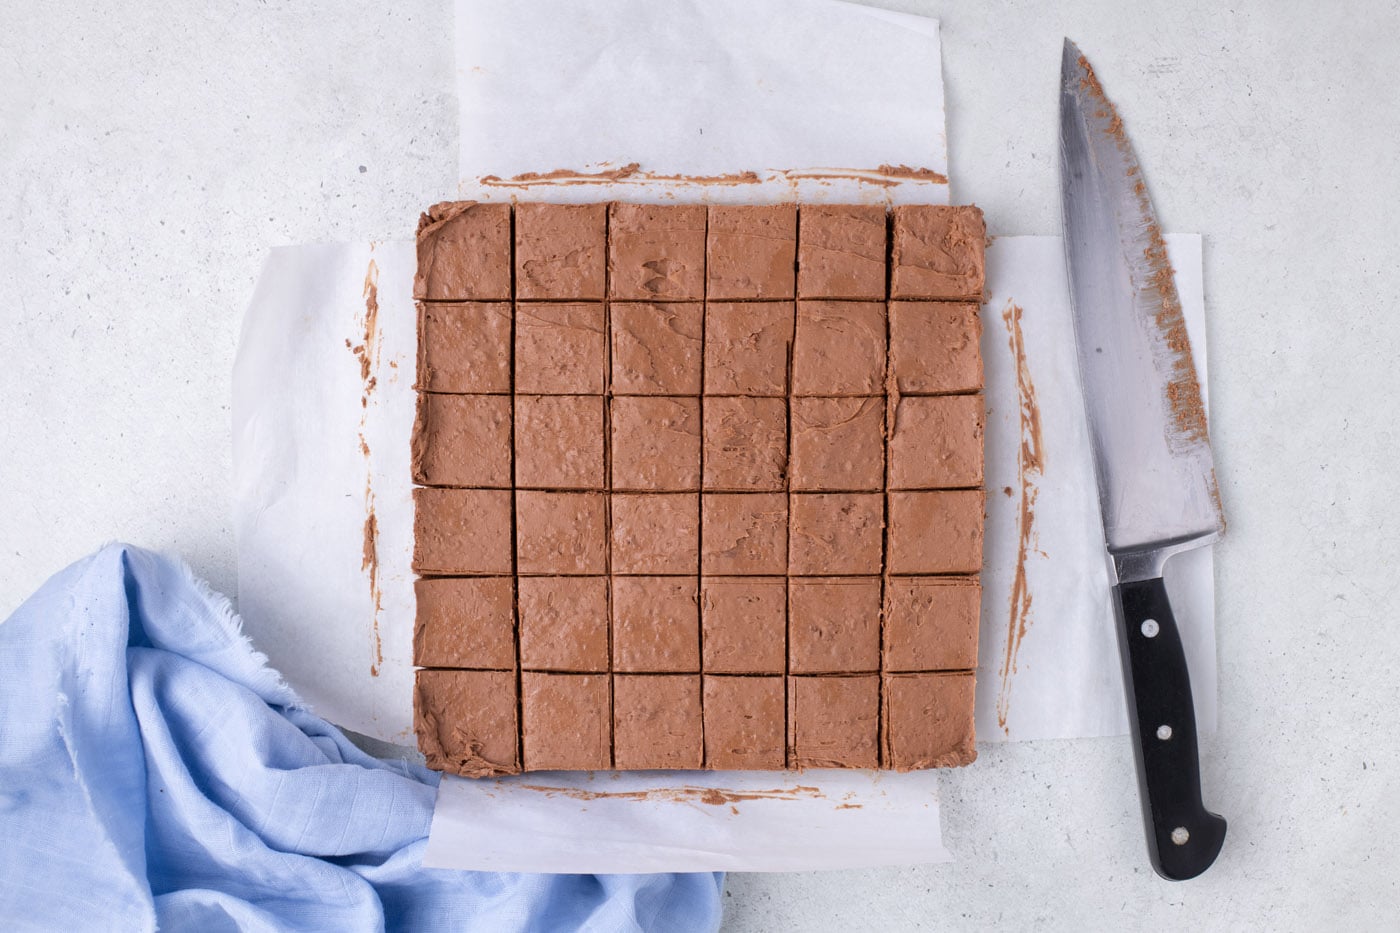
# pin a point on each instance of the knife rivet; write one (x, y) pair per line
(1164, 732)
(1150, 628)
(1180, 836)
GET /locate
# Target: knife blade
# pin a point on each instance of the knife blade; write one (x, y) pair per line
(1152, 455)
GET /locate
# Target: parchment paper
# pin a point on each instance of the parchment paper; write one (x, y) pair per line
(774, 100)
(686, 821)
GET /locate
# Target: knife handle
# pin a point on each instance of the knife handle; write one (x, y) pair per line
(1183, 837)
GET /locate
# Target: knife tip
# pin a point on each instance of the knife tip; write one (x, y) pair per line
(1069, 59)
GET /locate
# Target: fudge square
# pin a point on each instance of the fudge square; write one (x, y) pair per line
(928, 721)
(657, 721)
(560, 251)
(563, 623)
(744, 722)
(656, 624)
(938, 252)
(656, 252)
(834, 722)
(656, 348)
(841, 251)
(697, 486)
(466, 721)
(566, 722)
(464, 347)
(464, 622)
(462, 440)
(744, 621)
(464, 253)
(752, 251)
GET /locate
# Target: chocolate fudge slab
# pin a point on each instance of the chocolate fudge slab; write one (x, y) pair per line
(744, 621)
(466, 622)
(834, 625)
(559, 442)
(656, 443)
(743, 534)
(656, 348)
(936, 442)
(560, 251)
(746, 446)
(841, 251)
(560, 532)
(720, 465)
(656, 533)
(563, 623)
(833, 722)
(835, 533)
(928, 721)
(744, 722)
(560, 348)
(464, 253)
(938, 252)
(461, 531)
(462, 440)
(464, 347)
(931, 623)
(657, 721)
(567, 721)
(934, 347)
(839, 348)
(752, 251)
(656, 624)
(747, 347)
(466, 721)
(838, 444)
(656, 252)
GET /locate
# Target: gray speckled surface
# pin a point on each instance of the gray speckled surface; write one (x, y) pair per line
(151, 154)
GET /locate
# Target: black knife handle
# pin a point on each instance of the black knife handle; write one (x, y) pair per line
(1183, 837)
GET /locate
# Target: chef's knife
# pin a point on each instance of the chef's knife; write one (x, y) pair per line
(1152, 457)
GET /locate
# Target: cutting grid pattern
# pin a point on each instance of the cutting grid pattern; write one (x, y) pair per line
(698, 487)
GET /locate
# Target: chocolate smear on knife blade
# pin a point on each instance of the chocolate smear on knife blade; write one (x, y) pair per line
(1170, 341)
(1031, 467)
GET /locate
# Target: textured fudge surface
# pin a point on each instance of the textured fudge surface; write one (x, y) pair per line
(697, 486)
(560, 251)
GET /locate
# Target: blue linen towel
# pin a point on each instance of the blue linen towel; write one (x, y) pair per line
(155, 771)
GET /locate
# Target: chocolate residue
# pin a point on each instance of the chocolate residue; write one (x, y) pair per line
(733, 178)
(562, 176)
(369, 561)
(368, 354)
(1188, 412)
(629, 174)
(905, 171)
(711, 796)
(1031, 465)
(866, 176)
(885, 176)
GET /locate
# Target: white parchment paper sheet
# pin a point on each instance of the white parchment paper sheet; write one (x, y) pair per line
(686, 821)
(811, 96)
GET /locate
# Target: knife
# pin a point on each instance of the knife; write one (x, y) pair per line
(1152, 456)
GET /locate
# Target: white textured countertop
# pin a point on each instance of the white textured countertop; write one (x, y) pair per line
(151, 154)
